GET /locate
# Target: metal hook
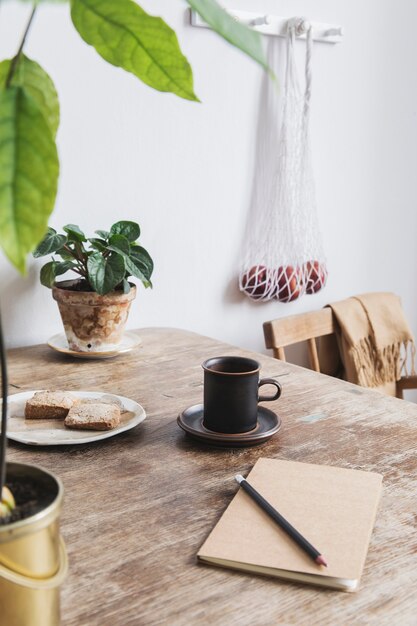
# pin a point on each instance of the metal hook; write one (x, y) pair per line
(301, 25)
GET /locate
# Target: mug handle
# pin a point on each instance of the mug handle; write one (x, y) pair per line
(270, 381)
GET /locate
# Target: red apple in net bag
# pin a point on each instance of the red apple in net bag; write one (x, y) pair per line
(315, 276)
(257, 283)
(290, 283)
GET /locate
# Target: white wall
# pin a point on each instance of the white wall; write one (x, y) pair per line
(183, 170)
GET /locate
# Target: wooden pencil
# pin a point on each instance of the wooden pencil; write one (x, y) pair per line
(281, 521)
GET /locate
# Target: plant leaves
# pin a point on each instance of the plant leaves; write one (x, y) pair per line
(135, 268)
(236, 33)
(137, 261)
(143, 259)
(37, 84)
(74, 233)
(128, 37)
(120, 244)
(64, 266)
(125, 286)
(53, 269)
(48, 274)
(29, 169)
(98, 244)
(105, 273)
(65, 254)
(50, 243)
(130, 230)
(104, 234)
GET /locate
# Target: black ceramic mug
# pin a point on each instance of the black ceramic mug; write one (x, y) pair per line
(231, 394)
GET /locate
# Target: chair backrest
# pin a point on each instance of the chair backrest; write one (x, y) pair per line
(309, 327)
(303, 327)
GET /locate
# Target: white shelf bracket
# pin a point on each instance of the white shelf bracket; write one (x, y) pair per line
(277, 26)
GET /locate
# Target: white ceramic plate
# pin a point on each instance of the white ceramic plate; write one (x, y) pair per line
(53, 432)
(129, 341)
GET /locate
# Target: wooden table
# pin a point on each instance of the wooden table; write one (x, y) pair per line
(138, 506)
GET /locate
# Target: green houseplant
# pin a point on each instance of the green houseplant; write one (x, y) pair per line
(29, 113)
(94, 307)
(128, 37)
(103, 263)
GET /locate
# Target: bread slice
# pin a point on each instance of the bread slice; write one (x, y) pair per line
(106, 399)
(49, 405)
(98, 416)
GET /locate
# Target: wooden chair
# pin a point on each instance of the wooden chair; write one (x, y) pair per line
(308, 327)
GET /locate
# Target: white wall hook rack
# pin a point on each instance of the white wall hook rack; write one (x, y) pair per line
(277, 26)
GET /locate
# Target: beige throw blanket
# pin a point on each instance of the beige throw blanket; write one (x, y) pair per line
(374, 343)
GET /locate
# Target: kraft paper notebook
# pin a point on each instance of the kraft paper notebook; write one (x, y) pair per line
(334, 508)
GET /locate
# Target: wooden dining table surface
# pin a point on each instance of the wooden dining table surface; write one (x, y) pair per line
(138, 506)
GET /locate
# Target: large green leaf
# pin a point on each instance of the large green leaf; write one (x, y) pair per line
(128, 37)
(240, 36)
(105, 273)
(29, 170)
(38, 84)
(236, 33)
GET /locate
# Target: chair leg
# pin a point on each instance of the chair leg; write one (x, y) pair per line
(314, 357)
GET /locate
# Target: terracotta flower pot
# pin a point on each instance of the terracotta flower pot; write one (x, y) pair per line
(92, 323)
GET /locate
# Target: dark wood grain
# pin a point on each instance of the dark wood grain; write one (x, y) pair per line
(138, 506)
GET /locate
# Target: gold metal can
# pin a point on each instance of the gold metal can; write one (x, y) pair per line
(33, 560)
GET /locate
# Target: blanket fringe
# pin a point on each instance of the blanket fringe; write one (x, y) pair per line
(376, 367)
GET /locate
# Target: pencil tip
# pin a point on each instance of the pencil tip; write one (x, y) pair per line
(321, 560)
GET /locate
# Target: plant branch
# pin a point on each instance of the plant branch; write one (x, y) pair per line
(80, 270)
(70, 251)
(79, 257)
(3, 436)
(16, 58)
(82, 256)
(79, 251)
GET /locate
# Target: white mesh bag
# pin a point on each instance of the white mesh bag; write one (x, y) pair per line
(283, 255)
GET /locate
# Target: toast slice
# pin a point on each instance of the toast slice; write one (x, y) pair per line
(106, 399)
(49, 405)
(98, 416)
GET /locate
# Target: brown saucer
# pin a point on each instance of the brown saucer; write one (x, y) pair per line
(191, 421)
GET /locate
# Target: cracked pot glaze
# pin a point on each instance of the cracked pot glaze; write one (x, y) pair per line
(92, 322)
